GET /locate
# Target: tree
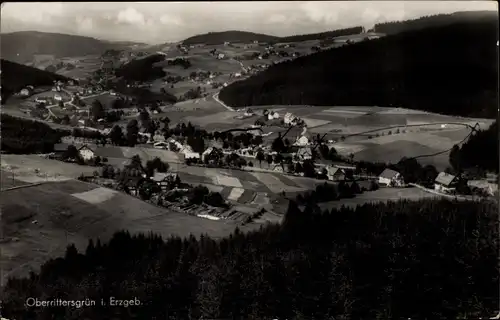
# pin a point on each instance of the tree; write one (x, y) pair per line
(454, 159)
(132, 132)
(278, 145)
(260, 157)
(116, 135)
(269, 159)
(97, 110)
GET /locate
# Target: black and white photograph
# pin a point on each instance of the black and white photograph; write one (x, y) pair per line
(268, 160)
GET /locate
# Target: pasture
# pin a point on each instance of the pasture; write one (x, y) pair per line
(39, 221)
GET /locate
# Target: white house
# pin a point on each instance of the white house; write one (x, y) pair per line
(302, 141)
(191, 155)
(86, 153)
(445, 182)
(237, 75)
(220, 56)
(391, 178)
(164, 179)
(57, 97)
(289, 118)
(25, 92)
(40, 100)
(304, 153)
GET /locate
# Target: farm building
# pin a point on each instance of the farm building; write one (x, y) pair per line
(220, 56)
(304, 153)
(133, 184)
(57, 97)
(391, 178)
(164, 180)
(60, 148)
(445, 182)
(485, 186)
(290, 118)
(26, 92)
(86, 153)
(191, 155)
(160, 145)
(335, 174)
(302, 141)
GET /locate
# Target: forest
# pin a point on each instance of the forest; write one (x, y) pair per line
(430, 259)
(212, 38)
(449, 70)
(28, 136)
(437, 20)
(322, 35)
(142, 69)
(16, 77)
(480, 150)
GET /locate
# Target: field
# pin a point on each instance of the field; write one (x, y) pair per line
(39, 221)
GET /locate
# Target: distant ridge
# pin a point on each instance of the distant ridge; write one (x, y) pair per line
(22, 46)
(230, 36)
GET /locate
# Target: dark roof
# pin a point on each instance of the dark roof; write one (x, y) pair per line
(388, 174)
(109, 152)
(86, 147)
(61, 146)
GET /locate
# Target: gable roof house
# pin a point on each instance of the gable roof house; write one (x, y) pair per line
(391, 178)
(86, 153)
(164, 179)
(445, 182)
(335, 174)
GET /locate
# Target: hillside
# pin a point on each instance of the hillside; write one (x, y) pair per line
(438, 20)
(231, 36)
(432, 259)
(322, 35)
(23, 136)
(17, 76)
(450, 70)
(22, 46)
(142, 69)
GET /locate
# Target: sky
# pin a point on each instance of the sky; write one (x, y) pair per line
(160, 22)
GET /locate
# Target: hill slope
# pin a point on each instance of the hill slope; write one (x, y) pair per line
(22, 46)
(231, 36)
(450, 69)
(17, 76)
(322, 35)
(438, 20)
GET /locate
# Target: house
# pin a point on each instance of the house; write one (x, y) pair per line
(86, 153)
(40, 100)
(133, 184)
(485, 186)
(26, 92)
(304, 153)
(164, 180)
(220, 56)
(391, 178)
(60, 148)
(335, 174)
(445, 182)
(302, 141)
(57, 97)
(290, 119)
(191, 155)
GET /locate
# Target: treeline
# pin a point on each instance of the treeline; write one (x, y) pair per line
(420, 260)
(480, 150)
(322, 35)
(231, 36)
(16, 77)
(437, 20)
(432, 69)
(142, 69)
(23, 136)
